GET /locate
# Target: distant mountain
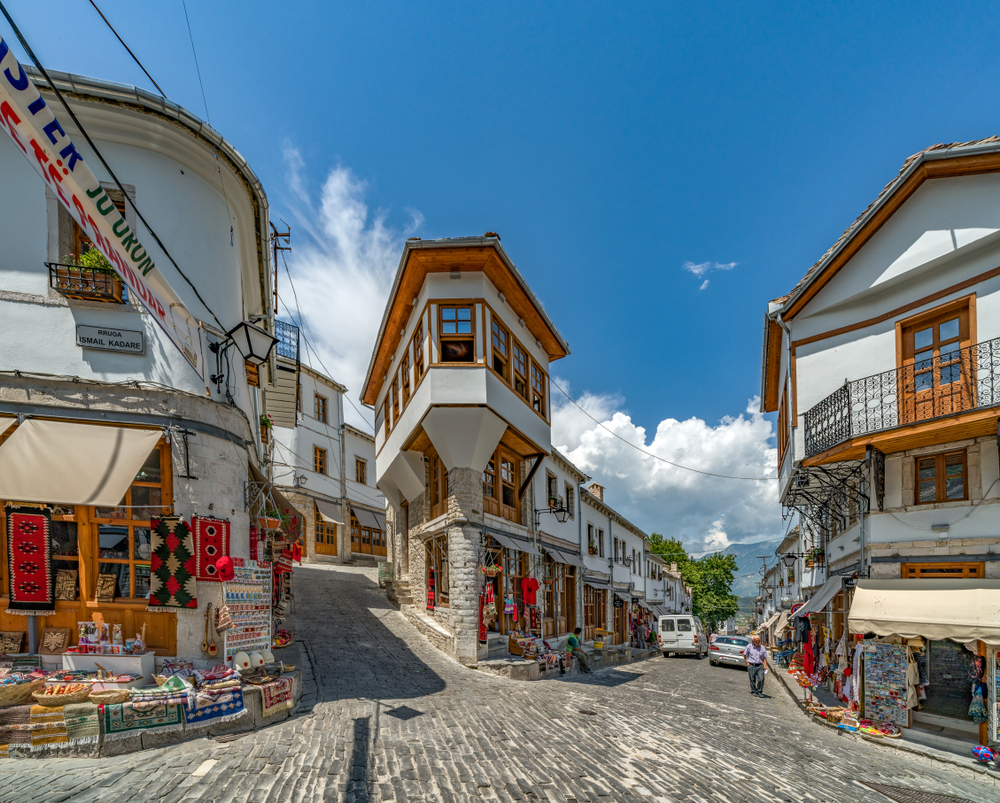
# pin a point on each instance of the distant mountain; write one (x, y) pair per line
(749, 564)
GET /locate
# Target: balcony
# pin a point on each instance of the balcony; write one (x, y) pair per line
(288, 340)
(956, 382)
(90, 284)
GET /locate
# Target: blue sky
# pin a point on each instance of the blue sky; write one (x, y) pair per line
(607, 145)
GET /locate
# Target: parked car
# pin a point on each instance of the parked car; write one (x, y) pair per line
(728, 650)
(682, 634)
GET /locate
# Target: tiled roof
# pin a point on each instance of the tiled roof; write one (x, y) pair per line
(885, 193)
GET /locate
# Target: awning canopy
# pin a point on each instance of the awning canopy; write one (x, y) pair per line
(819, 600)
(6, 423)
(563, 557)
(646, 605)
(365, 518)
(782, 622)
(767, 622)
(329, 512)
(64, 463)
(599, 584)
(623, 597)
(512, 543)
(659, 611)
(380, 519)
(271, 491)
(963, 610)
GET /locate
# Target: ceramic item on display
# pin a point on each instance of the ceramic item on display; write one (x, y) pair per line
(241, 661)
(256, 660)
(268, 656)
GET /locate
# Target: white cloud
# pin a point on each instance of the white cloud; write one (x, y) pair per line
(701, 269)
(342, 270)
(706, 513)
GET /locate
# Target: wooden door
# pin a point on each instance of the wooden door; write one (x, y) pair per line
(569, 603)
(326, 537)
(937, 377)
(621, 625)
(378, 543)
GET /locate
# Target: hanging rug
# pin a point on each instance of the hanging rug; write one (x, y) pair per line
(277, 695)
(211, 542)
(29, 562)
(172, 566)
(122, 719)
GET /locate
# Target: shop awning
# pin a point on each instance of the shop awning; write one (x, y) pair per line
(513, 543)
(819, 600)
(658, 611)
(646, 605)
(380, 519)
(72, 464)
(563, 557)
(624, 597)
(963, 610)
(782, 622)
(767, 623)
(329, 512)
(365, 518)
(599, 584)
(6, 423)
(274, 496)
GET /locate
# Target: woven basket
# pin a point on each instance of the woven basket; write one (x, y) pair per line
(20, 693)
(53, 700)
(109, 696)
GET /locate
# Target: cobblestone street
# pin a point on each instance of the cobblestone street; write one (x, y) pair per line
(387, 717)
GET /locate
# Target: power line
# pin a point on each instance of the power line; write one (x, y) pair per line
(196, 65)
(650, 454)
(90, 142)
(134, 57)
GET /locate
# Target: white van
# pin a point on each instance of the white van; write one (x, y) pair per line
(682, 634)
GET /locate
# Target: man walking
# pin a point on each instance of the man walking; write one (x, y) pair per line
(756, 653)
(575, 648)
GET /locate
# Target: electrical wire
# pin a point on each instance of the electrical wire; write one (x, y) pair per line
(950, 524)
(650, 454)
(134, 57)
(90, 142)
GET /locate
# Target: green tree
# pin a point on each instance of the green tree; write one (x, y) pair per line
(714, 601)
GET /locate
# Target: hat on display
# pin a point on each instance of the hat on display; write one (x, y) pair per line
(224, 566)
(256, 660)
(268, 656)
(241, 661)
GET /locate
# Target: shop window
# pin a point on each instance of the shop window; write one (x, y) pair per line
(361, 470)
(319, 408)
(455, 330)
(501, 349)
(418, 353)
(326, 533)
(520, 371)
(437, 562)
(355, 534)
(437, 489)
(404, 369)
(941, 478)
(319, 460)
(538, 380)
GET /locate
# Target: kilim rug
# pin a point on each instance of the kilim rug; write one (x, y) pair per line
(29, 562)
(277, 695)
(211, 542)
(83, 726)
(208, 708)
(172, 566)
(123, 719)
(48, 728)
(15, 724)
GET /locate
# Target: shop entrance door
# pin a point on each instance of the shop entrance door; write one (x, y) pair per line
(326, 538)
(950, 667)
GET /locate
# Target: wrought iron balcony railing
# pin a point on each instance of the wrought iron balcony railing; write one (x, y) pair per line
(74, 281)
(953, 382)
(288, 340)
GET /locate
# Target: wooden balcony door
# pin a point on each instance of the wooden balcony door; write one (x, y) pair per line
(937, 376)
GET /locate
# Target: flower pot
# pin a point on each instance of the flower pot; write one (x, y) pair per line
(269, 523)
(263, 434)
(809, 563)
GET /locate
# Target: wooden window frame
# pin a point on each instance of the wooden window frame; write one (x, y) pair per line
(500, 340)
(520, 354)
(783, 438)
(570, 501)
(320, 408)
(385, 413)
(941, 460)
(600, 542)
(437, 486)
(457, 336)
(325, 533)
(539, 397)
(394, 390)
(404, 372)
(319, 460)
(419, 369)
(551, 490)
(945, 570)
(360, 471)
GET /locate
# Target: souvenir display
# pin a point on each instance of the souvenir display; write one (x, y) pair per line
(29, 562)
(106, 586)
(10, 641)
(120, 720)
(248, 598)
(83, 725)
(67, 587)
(54, 640)
(277, 695)
(172, 582)
(211, 542)
(48, 727)
(884, 682)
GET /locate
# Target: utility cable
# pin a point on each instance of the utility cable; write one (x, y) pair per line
(650, 454)
(86, 136)
(135, 58)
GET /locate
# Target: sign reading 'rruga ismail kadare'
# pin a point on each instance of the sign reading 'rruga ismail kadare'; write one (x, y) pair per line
(37, 133)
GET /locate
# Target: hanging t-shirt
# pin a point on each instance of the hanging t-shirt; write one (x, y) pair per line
(529, 585)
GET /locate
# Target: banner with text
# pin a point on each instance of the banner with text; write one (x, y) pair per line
(33, 126)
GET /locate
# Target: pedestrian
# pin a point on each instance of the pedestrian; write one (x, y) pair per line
(575, 648)
(755, 654)
(713, 637)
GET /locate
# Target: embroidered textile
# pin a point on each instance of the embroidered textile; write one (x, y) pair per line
(277, 695)
(208, 708)
(172, 566)
(121, 719)
(29, 562)
(211, 542)
(47, 726)
(15, 724)
(82, 723)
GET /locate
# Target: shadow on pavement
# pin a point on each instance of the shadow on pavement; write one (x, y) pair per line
(614, 677)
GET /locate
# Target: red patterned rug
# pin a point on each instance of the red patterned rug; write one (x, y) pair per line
(172, 566)
(211, 542)
(29, 562)
(277, 695)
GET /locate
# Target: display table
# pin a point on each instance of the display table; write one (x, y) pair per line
(142, 665)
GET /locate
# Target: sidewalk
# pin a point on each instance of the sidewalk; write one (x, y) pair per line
(914, 740)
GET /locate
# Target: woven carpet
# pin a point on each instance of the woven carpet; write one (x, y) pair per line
(172, 566)
(83, 725)
(123, 719)
(29, 562)
(277, 695)
(48, 728)
(208, 708)
(211, 542)
(15, 724)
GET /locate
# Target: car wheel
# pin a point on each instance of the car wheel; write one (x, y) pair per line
(666, 654)
(700, 655)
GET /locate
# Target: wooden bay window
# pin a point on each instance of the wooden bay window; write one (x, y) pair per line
(456, 334)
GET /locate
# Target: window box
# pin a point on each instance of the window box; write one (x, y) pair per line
(91, 284)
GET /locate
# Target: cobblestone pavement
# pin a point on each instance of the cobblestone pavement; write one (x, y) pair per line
(387, 717)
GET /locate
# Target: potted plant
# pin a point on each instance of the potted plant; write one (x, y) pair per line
(592, 548)
(266, 425)
(88, 275)
(271, 520)
(818, 555)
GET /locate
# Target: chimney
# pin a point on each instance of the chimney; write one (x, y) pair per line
(597, 490)
(673, 567)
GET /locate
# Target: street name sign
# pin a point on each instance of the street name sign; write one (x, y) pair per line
(110, 339)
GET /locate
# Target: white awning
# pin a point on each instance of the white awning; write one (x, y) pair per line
(64, 463)
(766, 624)
(329, 512)
(6, 423)
(782, 622)
(964, 610)
(821, 598)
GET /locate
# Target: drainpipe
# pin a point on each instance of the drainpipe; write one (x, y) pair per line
(343, 480)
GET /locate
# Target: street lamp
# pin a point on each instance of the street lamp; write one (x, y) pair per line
(789, 559)
(561, 513)
(252, 342)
